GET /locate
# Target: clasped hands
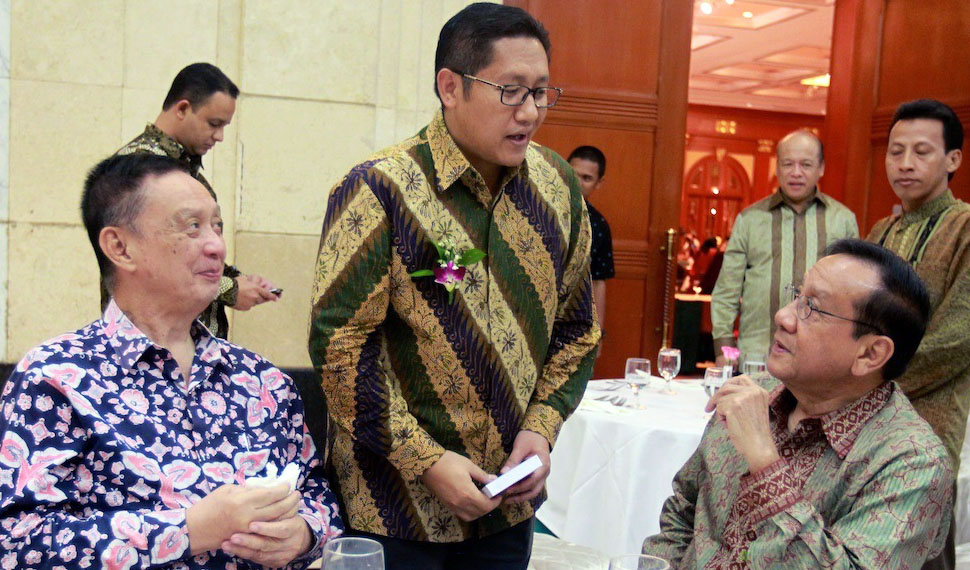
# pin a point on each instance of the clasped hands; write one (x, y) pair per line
(743, 407)
(452, 478)
(260, 524)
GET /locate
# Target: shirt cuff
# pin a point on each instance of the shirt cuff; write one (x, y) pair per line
(543, 420)
(768, 492)
(228, 290)
(416, 455)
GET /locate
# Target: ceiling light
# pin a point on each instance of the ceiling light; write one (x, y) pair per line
(707, 8)
(729, 2)
(817, 81)
(713, 211)
(747, 14)
(715, 190)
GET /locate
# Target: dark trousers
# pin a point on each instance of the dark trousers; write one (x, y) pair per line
(509, 549)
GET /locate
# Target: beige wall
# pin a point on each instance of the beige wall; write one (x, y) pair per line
(324, 82)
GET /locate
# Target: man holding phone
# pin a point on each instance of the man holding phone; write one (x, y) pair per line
(453, 324)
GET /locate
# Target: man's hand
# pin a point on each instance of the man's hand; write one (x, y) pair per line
(452, 479)
(743, 406)
(526, 444)
(272, 544)
(231, 509)
(253, 290)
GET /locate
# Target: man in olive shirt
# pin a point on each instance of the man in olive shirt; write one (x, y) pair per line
(933, 233)
(773, 242)
(199, 106)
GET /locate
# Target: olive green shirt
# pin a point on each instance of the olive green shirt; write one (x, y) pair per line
(770, 247)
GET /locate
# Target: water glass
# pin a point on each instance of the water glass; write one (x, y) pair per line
(353, 553)
(754, 365)
(668, 363)
(638, 562)
(714, 378)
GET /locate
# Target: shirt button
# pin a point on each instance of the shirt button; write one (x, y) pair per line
(752, 535)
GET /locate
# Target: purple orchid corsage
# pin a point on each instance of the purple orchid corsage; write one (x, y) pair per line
(451, 265)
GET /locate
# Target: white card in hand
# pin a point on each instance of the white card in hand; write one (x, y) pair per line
(512, 476)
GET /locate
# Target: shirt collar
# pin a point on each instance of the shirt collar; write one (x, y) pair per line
(840, 427)
(777, 199)
(174, 149)
(929, 209)
(450, 164)
(130, 344)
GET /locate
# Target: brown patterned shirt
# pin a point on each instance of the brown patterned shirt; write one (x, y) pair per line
(936, 240)
(154, 141)
(409, 373)
(867, 486)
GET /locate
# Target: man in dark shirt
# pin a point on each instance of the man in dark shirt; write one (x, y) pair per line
(589, 163)
(199, 106)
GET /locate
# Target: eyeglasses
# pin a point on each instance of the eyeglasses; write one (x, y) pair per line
(805, 306)
(515, 95)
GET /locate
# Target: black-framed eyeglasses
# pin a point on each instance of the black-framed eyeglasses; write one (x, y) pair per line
(805, 306)
(515, 95)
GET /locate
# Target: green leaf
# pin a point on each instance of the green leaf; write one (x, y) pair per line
(471, 256)
(422, 273)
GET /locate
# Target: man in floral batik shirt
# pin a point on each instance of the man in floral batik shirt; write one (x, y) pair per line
(128, 443)
(831, 468)
(432, 392)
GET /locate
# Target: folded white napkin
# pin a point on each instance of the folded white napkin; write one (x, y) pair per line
(289, 476)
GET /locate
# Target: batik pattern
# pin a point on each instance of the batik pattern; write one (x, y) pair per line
(409, 374)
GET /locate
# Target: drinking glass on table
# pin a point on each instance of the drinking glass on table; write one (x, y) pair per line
(638, 562)
(714, 378)
(637, 373)
(353, 553)
(668, 364)
(754, 365)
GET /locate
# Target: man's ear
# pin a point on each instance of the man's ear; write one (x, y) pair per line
(953, 160)
(873, 354)
(116, 245)
(182, 107)
(450, 87)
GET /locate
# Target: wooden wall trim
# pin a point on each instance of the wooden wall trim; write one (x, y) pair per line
(605, 109)
(883, 116)
(631, 259)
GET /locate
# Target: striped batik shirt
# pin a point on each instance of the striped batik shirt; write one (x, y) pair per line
(409, 373)
(771, 246)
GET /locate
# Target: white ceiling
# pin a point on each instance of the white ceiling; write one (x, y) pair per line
(757, 62)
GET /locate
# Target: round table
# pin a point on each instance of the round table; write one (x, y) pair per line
(613, 463)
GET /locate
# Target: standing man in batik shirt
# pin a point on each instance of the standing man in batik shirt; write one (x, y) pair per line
(199, 106)
(773, 242)
(933, 233)
(130, 443)
(831, 468)
(437, 383)
(589, 163)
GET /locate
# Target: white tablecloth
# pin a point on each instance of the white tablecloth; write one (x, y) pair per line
(612, 466)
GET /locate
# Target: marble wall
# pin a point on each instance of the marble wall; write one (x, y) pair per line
(324, 82)
(4, 162)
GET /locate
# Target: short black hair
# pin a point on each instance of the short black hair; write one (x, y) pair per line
(113, 196)
(900, 309)
(465, 42)
(592, 154)
(937, 111)
(196, 83)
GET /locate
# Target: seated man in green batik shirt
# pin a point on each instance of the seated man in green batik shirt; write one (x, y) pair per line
(831, 468)
(199, 106)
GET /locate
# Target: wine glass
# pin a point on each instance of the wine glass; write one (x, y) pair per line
(638, 562)
(713, 380)
(668, 363)
(754, 365)
(637, 373)
(353, 553)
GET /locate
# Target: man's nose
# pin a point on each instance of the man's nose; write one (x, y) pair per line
(785, 318)
(527, 112)
(218, 134)
(215, 245)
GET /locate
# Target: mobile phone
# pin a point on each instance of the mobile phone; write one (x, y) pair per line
(512, 476)
(277, 291)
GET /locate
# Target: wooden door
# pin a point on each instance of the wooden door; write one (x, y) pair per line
(714, 191)
(624, 68)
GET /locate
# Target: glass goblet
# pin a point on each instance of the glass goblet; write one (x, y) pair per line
(668, 364)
